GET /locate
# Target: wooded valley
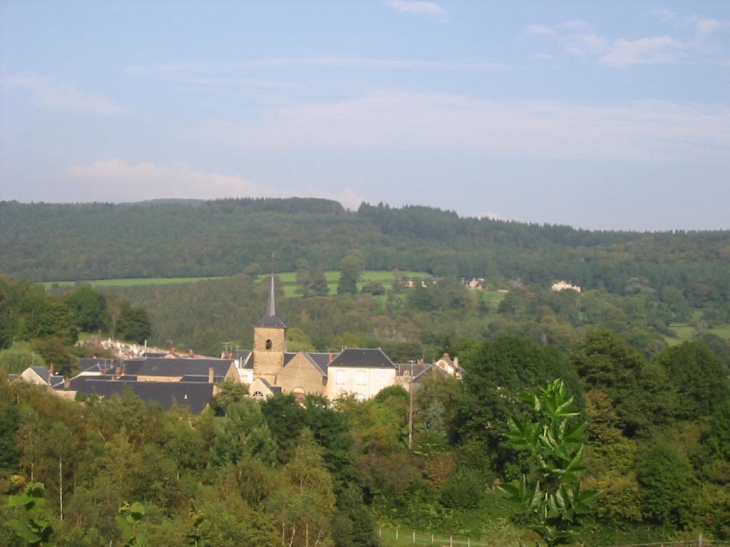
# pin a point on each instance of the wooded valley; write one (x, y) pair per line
(644, 350)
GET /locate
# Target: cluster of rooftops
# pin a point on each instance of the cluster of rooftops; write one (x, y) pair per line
(169, 378)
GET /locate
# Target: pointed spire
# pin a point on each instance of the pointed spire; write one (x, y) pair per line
(270, 319)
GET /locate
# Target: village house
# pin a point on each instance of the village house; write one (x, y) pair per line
(186, 381)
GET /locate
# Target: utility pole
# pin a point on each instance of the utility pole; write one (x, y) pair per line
(410, 411)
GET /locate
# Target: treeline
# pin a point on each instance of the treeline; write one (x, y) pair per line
(408, 323)
(411, 323)
(256, 473)
(37, 328)
(56, 242)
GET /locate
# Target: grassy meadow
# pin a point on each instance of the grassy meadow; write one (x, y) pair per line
(288, 280)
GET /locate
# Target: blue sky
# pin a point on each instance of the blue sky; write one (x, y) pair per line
(600, 115)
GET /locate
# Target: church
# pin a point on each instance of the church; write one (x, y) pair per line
(269, 369)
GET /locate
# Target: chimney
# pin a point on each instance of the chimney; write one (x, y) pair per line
(211, 375)
(331, 358)
(456, 362)
(50, 374)
(66, 382)
(223, 354)
(190, 353)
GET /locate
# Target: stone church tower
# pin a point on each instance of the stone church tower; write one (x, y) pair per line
(269, 342)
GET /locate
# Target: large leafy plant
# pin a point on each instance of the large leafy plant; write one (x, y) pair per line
(35, 530)
(551, 494)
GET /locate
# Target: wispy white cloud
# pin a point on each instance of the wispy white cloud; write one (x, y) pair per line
(430, 9)
(285, 63)
(626, 53)
(662, 13)
(48, 94)
(544, 57)
(578, 38)
(575, 37)
(246, 83)
(708, 27)
(116, 180)
(388, 121)
(539, 30)
(338, 62)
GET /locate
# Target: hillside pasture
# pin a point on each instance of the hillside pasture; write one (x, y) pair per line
(288, 280)
(685, 332)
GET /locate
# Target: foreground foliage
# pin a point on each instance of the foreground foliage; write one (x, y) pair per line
(552, 495)
(324, 472)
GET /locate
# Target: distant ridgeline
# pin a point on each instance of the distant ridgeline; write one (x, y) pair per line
(188, 238)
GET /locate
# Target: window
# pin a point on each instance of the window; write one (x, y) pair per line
(268, 344)
(361, 377)
(340, 376)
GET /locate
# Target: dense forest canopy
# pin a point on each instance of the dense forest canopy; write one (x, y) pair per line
(56, 242)
(637, 284)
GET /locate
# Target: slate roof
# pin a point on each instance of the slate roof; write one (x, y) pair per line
(43, 372)
(362, 358)
(161, 366)
(97, 364)
(321, 360)
(244, 356)
(274, 389)
(415, 370)
(193, 395)
(419, 376)
(270, 319)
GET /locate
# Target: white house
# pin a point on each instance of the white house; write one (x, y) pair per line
(361, 372)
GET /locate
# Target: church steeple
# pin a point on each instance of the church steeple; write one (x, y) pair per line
(269, 342)
(270, 319)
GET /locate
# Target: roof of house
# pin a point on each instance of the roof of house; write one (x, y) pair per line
(43, 372)
(97, 364)
(270, 319)
(412, 369)
(322, 360)
(193, 395)
(362, 358)
(161, 366)
(272, 388)
(425, 371)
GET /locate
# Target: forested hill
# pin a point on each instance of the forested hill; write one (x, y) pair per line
(54, 242)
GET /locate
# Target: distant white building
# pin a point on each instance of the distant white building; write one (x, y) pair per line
(564, 285)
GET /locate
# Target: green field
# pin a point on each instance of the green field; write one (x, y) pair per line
(686, 332)
(130, 282)
(287, 279)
